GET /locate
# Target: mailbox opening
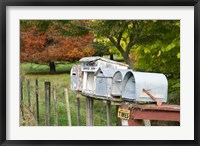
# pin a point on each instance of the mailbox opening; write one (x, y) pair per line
(117, 84)
(129, 87)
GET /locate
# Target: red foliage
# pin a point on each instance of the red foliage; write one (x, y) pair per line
(49, 46)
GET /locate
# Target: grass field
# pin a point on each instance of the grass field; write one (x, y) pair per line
(61, 80)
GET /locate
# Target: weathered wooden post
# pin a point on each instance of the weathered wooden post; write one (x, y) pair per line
(37, 101)
(147, 122)
(22, 97)
(47, 102)
(118, 120)
(89, 111)
(68, 108)
(78, 109)
(108, 112)
(55, 107)
(29, 94)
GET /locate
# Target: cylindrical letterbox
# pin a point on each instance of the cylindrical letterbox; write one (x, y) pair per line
(134, 83)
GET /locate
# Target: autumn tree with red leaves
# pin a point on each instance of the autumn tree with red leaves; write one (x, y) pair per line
(53, 42)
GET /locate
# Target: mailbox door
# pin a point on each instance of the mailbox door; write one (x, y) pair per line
(74, 81)
(101, 86)
(129, 90)
(117, 85)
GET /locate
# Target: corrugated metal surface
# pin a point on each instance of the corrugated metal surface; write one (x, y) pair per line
(135, 82)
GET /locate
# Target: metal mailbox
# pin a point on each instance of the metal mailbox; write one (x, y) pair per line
(118, 77)
(90, 65)
(134, 83)
(76, 78)
(104, 81)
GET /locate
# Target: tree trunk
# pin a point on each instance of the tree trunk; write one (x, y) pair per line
(111, 57)
(128, 61)
(52, 67)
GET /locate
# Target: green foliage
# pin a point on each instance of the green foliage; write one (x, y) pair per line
(161, 54)
(152, 45)
(100, 49)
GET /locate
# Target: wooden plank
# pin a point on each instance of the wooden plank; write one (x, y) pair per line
(164, 107)
(55, 107)
(47, 103)
(37, 102)
(108, 112)
(156, 115)
(78, 110)
(29, 94)
(133, 122)
(68, 107)
(102, 98)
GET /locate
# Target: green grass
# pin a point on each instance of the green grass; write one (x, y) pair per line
(61, 80)
(30, 68)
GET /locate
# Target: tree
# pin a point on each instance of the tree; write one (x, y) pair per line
(164, 54)
(127, 35)
(51, 41)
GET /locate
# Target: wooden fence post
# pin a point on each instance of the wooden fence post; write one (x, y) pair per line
(22, 98)
(68, 108)
(108, 112)
(89, 111)
(118, 120)
(55, 107)
(78, 109)
(37, 102)
(47, 102)
(147, 122)
(29, 94)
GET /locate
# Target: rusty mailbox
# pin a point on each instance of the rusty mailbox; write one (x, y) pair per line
(134, 83)
(104, 81)
(90, 65)
(118, 77)
(76, 78)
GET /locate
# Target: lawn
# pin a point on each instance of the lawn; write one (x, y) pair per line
(61, 80)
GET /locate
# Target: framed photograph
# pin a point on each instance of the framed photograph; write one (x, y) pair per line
(99, 72)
